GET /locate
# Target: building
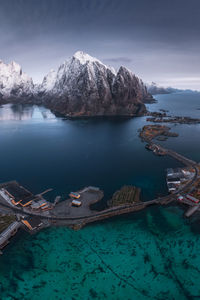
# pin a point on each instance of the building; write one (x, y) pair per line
(175, 173)
(17, 194)
(27, 201)
(74, 195)
(39, 204)
(5, 196)
(193, 199)
(32, 223)
(76, 203)
(171, 187)
(175, 180)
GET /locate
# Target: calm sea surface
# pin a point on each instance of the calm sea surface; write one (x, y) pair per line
(152, 254)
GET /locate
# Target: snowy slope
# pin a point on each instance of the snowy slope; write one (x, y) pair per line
(14, 82)
(83, 85)
(55, 81)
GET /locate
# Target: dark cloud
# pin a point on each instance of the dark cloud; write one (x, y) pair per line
(157, 39)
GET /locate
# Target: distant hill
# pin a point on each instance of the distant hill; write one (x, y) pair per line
(155, 89)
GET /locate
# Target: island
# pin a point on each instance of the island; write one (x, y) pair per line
(162, 117)
(161, 132)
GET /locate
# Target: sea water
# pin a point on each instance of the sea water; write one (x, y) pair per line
(153, 254)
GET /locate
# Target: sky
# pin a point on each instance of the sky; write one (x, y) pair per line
(156, 39)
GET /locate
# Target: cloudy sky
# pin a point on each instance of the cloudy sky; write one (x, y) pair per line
(157, 39)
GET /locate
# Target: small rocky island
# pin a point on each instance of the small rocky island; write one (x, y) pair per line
(162, 117)
(161, 132)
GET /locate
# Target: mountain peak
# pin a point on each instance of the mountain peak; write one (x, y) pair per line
(84, 86)
(15, 67)
(84, 57)
(125, 70)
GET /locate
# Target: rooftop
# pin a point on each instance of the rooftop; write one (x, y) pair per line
(34, 221)
(17, 191)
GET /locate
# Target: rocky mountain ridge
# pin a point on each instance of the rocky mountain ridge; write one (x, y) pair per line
(82, 86)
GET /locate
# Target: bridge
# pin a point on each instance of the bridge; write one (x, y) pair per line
(186, 161)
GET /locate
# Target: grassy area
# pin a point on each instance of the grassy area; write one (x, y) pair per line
(127, 194)
(5, 221)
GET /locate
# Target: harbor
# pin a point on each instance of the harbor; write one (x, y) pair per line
(33, 212)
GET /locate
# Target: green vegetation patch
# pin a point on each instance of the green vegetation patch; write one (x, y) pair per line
(5, 221)
(126, 195)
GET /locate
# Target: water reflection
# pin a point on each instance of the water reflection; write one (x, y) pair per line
(24, 112)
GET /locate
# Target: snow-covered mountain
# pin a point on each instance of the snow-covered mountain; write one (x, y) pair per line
(13, 82)
(84, 86)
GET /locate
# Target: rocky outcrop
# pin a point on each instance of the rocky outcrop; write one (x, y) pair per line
(83, 86)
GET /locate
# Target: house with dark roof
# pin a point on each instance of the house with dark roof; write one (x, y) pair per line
(32, 222)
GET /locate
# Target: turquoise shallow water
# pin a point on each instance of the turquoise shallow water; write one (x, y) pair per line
(151, 255)
(147, 255)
